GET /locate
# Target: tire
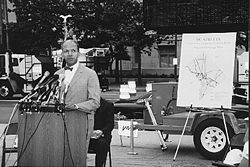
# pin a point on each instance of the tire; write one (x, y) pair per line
(6, 91)
(210, 139)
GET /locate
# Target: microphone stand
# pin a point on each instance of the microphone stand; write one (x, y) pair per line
(62, 101)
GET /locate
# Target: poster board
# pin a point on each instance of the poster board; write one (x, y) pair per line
(206, 70)
(124, 128)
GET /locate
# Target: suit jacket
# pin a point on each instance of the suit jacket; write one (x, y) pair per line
(84, 91)
(104, 118)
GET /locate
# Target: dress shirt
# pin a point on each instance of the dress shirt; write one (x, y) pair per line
(70, 74)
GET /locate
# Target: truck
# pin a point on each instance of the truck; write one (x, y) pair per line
(19, 73)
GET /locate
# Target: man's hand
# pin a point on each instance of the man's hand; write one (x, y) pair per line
(97, 134)
(70, 107)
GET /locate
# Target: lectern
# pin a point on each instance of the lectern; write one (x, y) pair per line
(49, 138)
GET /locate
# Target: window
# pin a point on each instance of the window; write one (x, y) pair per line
(14, 61)
(2, 62)
(2, 65)
(167, 54)
(100, 53)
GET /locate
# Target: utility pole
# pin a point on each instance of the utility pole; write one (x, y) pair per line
(175, 64)
(1, 23)
(6, 21)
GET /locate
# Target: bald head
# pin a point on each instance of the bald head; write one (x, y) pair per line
(71, 42)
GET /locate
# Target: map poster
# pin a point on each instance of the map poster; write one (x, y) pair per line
(206, 70)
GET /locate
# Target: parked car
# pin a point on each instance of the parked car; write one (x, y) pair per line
(133, 107)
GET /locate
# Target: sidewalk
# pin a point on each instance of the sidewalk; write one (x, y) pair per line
(149, 153)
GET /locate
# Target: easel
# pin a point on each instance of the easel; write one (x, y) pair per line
(225, 125)
(190, 109)
(182, 132)
(198, 72)
(163, 144)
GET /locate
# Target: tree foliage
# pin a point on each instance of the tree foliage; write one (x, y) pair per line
(38, 25)
(106, 23)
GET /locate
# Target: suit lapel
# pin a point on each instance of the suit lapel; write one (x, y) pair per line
(76, 77)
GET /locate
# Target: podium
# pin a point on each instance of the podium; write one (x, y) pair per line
(52, 139)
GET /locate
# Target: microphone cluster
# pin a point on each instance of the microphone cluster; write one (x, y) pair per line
(45, 97)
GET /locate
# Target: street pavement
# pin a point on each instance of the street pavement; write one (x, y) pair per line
(146, 145)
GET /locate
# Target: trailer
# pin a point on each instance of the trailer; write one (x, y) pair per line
(206, 125)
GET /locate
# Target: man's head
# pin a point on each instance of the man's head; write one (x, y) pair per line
(70, 52)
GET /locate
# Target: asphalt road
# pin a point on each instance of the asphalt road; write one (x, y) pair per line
(6, 110)
(149, 153)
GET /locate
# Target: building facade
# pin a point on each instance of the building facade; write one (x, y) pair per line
(160, 61)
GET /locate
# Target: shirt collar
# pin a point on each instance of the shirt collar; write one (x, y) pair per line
(75, 66)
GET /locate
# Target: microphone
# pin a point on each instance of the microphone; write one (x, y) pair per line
(49, 81)
(60, 80)
(44, 86)
(34, 90)
(66, 87)
(45, 75)
(58, 88)
(64, 92)
(43, 94)
(50, 92)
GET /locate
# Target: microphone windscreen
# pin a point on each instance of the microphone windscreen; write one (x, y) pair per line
(46, 73)
(51, 79)
(61, 77)
(55, 77)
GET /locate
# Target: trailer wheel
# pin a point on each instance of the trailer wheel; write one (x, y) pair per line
(6, 91)
(210, 139)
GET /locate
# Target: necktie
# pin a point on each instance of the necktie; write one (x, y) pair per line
(68, 68)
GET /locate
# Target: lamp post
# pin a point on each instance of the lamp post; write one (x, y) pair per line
(65, 25)
(177, 22)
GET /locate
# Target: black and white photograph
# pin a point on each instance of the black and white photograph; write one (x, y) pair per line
(124, 83)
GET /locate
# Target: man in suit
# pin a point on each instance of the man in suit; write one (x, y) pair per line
(80, 91)
(103, 126)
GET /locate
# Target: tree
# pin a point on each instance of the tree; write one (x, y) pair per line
(122, 23)
(100, 23)
(39, 25)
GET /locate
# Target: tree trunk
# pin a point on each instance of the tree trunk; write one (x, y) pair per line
(138, 54)
(117, 78)
(110, 67)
